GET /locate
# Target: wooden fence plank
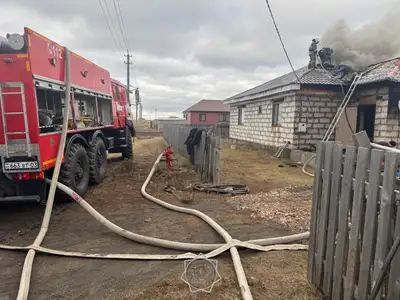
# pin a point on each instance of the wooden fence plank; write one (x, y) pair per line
(316, 198)
(323, 215)
(394, 274)
(202, 151)
(216, 163)
(204, 159)
(333, 218)
(342, 236)
(353, 256)
(369, 236)
(210, 157)
(385, 214)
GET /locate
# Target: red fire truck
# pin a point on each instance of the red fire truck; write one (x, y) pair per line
(32, 100)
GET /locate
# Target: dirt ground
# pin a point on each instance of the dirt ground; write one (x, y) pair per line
(264, 213)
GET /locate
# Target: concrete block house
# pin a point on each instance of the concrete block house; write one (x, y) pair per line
(207, 112)
(284, 110)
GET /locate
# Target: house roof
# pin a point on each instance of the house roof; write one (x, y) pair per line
(383, 71)
(306, 76)
(208, 106)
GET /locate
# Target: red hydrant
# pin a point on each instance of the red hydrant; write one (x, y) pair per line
(167, 153)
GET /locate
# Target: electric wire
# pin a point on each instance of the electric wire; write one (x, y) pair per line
(114, 29)
(280, 38)
(384, 269)
(114, 37)
(121, 23)
(288, 58)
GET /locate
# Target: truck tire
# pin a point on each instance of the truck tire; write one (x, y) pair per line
(97, 161)
(75, 169)
(127, 152)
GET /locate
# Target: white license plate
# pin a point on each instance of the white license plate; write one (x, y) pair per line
(21, 165)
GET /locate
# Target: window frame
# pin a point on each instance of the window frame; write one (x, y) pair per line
(277, 106)
(205, 117)
(241, 115)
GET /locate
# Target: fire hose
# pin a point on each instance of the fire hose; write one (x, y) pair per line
(215, 249)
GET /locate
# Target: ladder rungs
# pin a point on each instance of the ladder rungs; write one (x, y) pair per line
(14, 113)
(16, 132)
(12, 93)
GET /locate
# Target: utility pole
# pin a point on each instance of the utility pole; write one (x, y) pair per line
(128, 75)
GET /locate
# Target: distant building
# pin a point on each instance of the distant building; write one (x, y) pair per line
(207, 112)
(159, 123)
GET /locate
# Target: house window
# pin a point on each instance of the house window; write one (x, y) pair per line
(260, 110)
(223, 117)
(277, 113)
(185, 116)
(202, 117)
(240, 115)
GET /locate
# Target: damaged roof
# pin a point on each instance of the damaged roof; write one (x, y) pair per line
(306, 76)
(383, 71)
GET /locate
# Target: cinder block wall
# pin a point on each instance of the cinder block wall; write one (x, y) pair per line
(257, 127)
(317, 113)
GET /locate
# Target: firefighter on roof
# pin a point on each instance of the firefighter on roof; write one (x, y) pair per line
(312, 52)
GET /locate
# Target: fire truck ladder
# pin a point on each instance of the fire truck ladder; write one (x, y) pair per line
(342, 107)
(7, 133)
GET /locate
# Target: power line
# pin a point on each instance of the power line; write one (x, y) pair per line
(121, 23)
(120, 44)
(110, 29)
(280, 38)
(122, 27)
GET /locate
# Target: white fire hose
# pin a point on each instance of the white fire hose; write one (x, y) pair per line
(215, 249)
(27, 269)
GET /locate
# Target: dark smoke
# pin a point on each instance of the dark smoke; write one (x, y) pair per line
(375, 42)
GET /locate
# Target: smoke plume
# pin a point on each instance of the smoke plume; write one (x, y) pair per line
(375, 42)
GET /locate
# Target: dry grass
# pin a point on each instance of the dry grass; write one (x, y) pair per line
(290, 207)
(273, 276)
(258, 169)
(149, 145)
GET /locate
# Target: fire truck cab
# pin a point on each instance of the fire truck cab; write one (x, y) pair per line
(32, 101)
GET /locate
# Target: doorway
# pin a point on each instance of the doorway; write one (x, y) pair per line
(366, 119)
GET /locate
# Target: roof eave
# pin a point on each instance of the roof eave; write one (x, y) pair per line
(267, 93)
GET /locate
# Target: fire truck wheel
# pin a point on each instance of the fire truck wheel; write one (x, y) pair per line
(128, 151)
(97, 161)
(75, 169)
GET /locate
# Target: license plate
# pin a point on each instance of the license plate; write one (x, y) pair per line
(29, 165)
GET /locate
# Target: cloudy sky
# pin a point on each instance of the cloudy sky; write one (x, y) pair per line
(187, 50)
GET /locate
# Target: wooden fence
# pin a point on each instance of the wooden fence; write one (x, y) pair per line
(206, 153)
(354, 222)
